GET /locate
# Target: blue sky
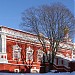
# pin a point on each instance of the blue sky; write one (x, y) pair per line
(10, 10)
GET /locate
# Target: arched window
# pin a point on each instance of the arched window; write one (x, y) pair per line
(16, 52)
(39, 55)
(29, 54)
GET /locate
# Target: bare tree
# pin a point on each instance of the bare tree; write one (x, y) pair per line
(54, 20)
(50, 20)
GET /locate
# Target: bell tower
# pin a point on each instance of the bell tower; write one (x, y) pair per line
(66, 34)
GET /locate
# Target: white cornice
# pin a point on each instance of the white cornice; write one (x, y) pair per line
(17, 34)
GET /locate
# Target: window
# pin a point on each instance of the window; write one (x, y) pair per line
(29, 54)
(59, 61)
(16, 52)
(73, 52)
(65, 63)
(16, 70)
(62, 62)
(39, 55)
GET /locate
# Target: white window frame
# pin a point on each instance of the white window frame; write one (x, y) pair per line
(16, 50)
(29, 54)
(39, 55)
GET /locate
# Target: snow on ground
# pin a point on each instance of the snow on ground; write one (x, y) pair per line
(62, 73)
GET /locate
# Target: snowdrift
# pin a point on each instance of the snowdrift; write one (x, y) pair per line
(60, 73)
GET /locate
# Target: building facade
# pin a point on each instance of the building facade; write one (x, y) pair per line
(22, 52)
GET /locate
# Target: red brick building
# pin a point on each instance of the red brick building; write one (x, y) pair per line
(22, 52)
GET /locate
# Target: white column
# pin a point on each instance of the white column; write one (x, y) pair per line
(3, 37)
(0, 43)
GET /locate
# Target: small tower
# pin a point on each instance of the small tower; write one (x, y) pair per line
(66, 34)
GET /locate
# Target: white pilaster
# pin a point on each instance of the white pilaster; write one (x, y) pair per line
(3, 37)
